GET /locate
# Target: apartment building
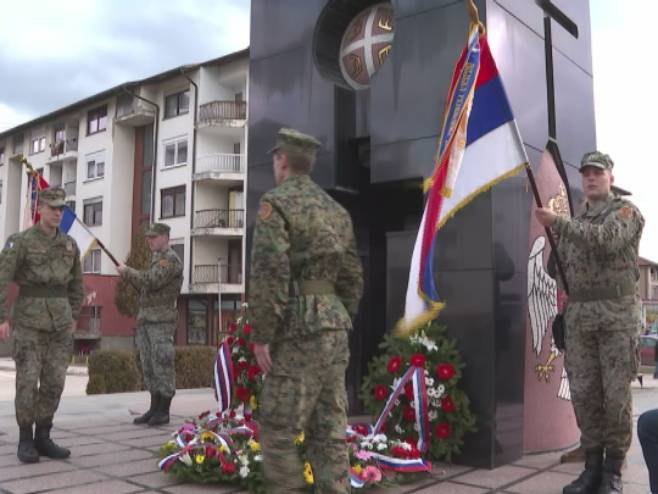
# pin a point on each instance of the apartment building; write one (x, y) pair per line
(168, 148)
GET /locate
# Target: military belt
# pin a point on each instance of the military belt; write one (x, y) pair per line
(312, 287)
(44, 291)
(607, 293)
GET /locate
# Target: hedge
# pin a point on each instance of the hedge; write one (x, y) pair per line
(118, 371)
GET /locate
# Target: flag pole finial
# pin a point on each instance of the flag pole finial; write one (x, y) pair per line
(475, 15)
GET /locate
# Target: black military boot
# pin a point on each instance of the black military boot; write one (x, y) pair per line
(589, 480)
(46, 446)
(142, 419)
(161, 414)
(26, 451)
(611, 478)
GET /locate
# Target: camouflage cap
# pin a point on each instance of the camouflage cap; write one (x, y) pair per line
(598, 160)
(296, 142)
(53, 197)
(157, 229)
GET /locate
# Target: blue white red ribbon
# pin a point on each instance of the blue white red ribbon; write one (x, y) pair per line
(223, 376)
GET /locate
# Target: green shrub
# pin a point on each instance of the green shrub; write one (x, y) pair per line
(118, 371)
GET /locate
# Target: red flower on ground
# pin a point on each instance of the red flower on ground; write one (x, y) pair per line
(228, 468)
(210, 451)
(394, 364)
(360, 429)
(380, 392)
(232, 327)
(242, 341)
(252, 372)
(409, 391)
(417, 360)
(445, 371)
(242, 394)
(242, 365)
(442, 430)
(409, 414)
(230, 340)
(447, 405)
(246, 329)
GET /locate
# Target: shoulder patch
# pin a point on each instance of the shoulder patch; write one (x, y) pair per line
(8, 244)
(69, 246)
(265, 210)
(626, 212)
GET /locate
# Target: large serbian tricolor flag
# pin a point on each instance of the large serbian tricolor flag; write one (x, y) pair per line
(479, 145)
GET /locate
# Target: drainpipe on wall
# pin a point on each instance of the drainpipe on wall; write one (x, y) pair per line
(192, 188)
(155, 146)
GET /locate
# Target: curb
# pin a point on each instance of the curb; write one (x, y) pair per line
(71, 371)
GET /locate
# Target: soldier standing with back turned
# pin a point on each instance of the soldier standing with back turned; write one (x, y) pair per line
(159, 288)
(45, 264)
(305, 286)
(599, 249)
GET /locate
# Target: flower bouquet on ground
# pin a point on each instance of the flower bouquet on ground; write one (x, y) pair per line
(448, 415)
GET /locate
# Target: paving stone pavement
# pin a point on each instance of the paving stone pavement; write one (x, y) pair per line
(110, 455)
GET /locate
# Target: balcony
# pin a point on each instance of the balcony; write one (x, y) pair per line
(223, 114)
(62, 150)
(220, 166)
(133, 112)
(69, 188)
(207, 277)
(228, 222)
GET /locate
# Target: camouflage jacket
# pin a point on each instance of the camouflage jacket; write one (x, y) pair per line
(302, 234)
(49, 276)
(159, 286)
(599, 251)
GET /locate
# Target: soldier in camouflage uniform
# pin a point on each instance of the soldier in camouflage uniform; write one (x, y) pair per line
(159, 288)
(45, 264)
(305, 286)
(599, 249)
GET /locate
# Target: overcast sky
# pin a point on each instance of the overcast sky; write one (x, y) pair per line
(55, 53)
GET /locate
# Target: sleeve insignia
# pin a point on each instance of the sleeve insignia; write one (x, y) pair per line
(626, 212)
(265, 210)
(9, 244)
(163, 263)
(69, 246)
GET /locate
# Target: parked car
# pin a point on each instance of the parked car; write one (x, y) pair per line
(647, 349)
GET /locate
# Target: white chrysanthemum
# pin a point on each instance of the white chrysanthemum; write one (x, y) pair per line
(381, 446)
(398, 429)
(441, 389)
(258, 458)
(244, 459)
(244, 471)
(429, 381)
(378, 438)
(366, 445)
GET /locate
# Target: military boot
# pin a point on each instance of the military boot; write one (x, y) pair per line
(161, 414)
(26, 451)
(589, 480)
(142, 419)
(611, 478)
(46, 446)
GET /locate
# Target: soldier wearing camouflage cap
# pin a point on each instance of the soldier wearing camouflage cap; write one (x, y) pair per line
(305, 285)
(45, 264)
(599, 250)
(159, 288)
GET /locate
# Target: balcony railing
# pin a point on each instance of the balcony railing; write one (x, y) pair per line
(219, 218)
(216, 273)
(69, 188)
(61, 147)
(222, 110)
(220, 162)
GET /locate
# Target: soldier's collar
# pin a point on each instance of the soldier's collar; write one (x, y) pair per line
(599, 207)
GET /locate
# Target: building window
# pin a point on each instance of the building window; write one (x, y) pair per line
(18, 144)
(2, 155)
(97, 120)
(71, 205)
(38, 145)
(93, 212)
(92, 261)
(197, 322)
(95, 169)
(175, 153)
(60, 134)
(177, 104)
(172, 202)
(179, 248)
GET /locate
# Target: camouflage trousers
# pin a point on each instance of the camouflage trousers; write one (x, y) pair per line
(41, 358)
(601, 366)
(305, 392)
(155, 342)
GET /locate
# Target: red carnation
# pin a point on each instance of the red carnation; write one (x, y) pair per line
(394, 364)
(242, 394)
(251, 347)
(232, 327)
(228, 468)
(380, 392)
(242, 341)
(360, 429)
(210, 451)
(253, 372)
(246, 329)
(409, 414)
(248, 417)
(442, 430)
(242, 365)
(417, 360)
(445, 371)
(447, 405)
(230, 340)
(409, 391)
